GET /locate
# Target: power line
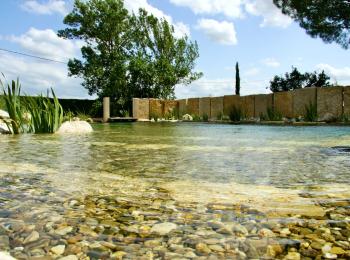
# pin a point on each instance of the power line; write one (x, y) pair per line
(32, 56)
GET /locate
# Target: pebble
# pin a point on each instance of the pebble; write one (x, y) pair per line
(69, 257)
(58, 250)
(63, 230)
(32, 237)
(163, 228)
(202, 248)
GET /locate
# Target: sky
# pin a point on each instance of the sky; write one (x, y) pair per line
(252, 32)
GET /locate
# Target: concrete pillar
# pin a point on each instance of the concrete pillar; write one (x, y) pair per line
(106, 109)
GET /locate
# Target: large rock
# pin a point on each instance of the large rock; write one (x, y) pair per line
(4, 128)
(75, 127)
(4, 114)
(6, 256)
(163, 228)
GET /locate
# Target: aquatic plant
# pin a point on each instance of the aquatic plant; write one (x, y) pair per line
(311, 112)
(46, 113)
(205, 117)
(273, 114)
(11, 96)
(236, 114)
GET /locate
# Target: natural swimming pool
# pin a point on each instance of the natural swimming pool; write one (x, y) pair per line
(181, 190)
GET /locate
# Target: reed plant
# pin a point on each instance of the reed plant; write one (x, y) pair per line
(46, 113)
(311, 112)
(11, 96)
(236, 114)
(273, 114)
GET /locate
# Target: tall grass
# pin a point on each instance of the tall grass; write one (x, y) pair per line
(46, 114)
(273, 114)
(311, 112)
(31, 114)
(11, 96)
(236, 114)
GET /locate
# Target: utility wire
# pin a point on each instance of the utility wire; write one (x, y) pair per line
(33, 56)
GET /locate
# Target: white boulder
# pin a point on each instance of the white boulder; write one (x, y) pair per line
(4, 114)
(187, 117)
(75, 127)
(6, 256)
(4, 128)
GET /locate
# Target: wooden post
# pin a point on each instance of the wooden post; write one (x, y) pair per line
(106, 109)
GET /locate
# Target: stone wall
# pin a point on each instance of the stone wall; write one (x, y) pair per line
(330, 101)
(140, 108)
(171, 108)
(283, 103)
(261, 104)
(193, 106)
(156, 108)
(182, 106)
(302, 98)
(216, 107)
(231, 101)
(247, 104)
(347, 101)
(204, 106)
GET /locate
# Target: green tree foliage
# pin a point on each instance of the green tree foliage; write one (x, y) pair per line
(297, 80)
(127, 55)
(238, 80)
(327, 19)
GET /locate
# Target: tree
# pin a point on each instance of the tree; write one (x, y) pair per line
(326, 19)
(127, 55)
(297, 80)
(238, 80)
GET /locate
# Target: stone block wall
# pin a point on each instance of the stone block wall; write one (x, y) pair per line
(140, 108)
(216, 107)
(182, 107)
(347, 101)
(231, 101)
(248, 106)
(156, 108)
(193, 106)
(261, 104)
(204, 106)
(171, 108)
(301, 99)
(283, 103)
(330, 101)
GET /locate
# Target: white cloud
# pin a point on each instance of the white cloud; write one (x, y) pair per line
(230, 8)
(222, 32)
(272, 16)
(37, 76)
(220, 87)
(271, 62)
(46, 43)
(340, 75)
(180, 28)
(48, 7)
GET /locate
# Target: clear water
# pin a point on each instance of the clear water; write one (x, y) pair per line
(165, 154)
(277, 170)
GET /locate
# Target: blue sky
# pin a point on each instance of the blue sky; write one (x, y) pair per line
(252, 32)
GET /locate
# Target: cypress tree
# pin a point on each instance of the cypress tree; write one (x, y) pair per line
(238, 80)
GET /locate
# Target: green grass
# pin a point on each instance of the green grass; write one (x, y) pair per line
(236, 114)
(31, 114)
(311, 113)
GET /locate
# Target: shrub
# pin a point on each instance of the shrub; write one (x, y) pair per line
(219, 116)
(273, 114)
(13, 105)
(196, 118)
(236, 114)
(311, 112)
(154, 116)
(46, 114)
(205, 117)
